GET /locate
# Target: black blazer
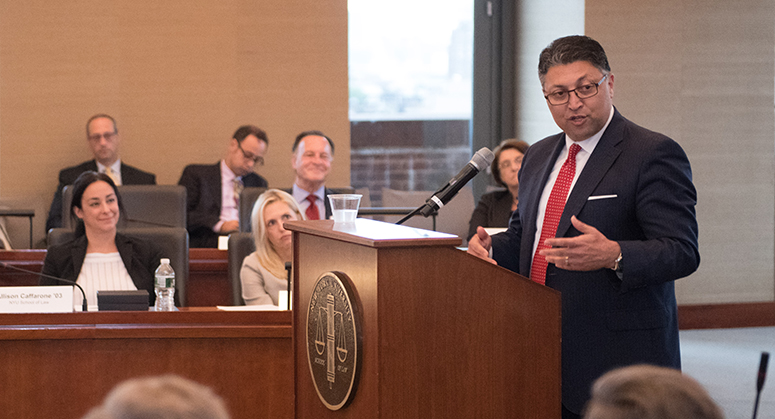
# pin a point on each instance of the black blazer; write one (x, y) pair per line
(203, 200)
(129, 176)
(636, 189)
(493, 210)
(141, 258)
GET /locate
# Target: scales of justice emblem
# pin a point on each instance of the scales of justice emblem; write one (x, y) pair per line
(333, 339)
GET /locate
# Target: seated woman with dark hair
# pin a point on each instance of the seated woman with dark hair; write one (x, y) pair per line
(263, 273)
(99, 258)
(495, 208)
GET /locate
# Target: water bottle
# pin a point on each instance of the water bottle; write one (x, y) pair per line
(165, 287)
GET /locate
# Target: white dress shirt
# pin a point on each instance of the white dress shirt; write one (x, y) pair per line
(587, 147)
(300, 195)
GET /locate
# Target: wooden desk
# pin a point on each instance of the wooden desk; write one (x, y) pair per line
(61, 365)
(207, 286)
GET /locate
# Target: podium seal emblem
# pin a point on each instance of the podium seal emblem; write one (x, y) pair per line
(333, 339)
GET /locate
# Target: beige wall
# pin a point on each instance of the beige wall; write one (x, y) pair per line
(702, 72)
(179, 76)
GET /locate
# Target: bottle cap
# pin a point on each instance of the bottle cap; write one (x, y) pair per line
(165, 260)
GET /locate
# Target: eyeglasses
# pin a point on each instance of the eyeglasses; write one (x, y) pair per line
(582, 92)
(107, 136)
(507, 164)
(258, 160)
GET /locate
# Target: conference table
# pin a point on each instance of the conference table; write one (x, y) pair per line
(59, 365)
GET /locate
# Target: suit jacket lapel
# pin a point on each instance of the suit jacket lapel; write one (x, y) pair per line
(529, 215)
(534, 195)
(124, 246)
(597, 166)
(77, 255)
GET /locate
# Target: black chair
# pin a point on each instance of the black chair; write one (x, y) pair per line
(240, 246)
(247, 199)
(172, 241)
(144, 206)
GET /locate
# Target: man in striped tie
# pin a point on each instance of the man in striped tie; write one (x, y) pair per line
(606, 216)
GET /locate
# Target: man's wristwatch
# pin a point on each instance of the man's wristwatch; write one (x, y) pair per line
(618, 264)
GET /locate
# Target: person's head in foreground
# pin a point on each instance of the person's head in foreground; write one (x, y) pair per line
(649, 392)
(162, 397)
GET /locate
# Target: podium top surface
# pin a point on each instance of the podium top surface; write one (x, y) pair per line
(374, 233)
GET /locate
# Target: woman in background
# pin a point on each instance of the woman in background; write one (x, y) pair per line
(495, 208)
(263, 273)
(99, 258)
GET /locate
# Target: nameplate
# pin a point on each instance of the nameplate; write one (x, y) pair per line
(41, 299)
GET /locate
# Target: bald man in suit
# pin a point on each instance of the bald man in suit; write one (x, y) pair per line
(104, 140)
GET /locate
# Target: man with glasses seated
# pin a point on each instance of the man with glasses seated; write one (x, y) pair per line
(606, 216)
(103, 139)
(213, 190)
(313, 153)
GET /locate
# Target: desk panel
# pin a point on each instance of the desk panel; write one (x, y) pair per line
(207, 286)
(61, 365)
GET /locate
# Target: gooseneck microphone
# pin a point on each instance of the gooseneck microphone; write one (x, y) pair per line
(760, 380)
(479, 162)
(66, 281)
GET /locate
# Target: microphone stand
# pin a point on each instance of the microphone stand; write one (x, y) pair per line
(288, 269)
(85, 306)
(417, 211)
(760, 380)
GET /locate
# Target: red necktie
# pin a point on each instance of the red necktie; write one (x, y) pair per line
(554, 208)
(312, 209)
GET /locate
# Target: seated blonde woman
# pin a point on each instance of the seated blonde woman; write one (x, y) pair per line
(263, 273)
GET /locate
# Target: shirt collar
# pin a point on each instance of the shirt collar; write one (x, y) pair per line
(226, 172)
(300, 194)
(115, 167)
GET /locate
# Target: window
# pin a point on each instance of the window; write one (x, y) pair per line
(411, 78)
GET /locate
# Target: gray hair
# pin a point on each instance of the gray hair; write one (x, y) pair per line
(163, 397)
(650, 392)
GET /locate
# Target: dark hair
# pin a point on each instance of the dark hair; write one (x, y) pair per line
(242, 132)
(510, 144)
(311, 132)
(570, 49)
(101, 115)
(79, 186)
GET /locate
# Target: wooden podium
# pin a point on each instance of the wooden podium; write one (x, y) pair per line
(442, 333)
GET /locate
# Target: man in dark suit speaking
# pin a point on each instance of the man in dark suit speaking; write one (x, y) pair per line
(605, 216)
(213, 190)
(104, 140)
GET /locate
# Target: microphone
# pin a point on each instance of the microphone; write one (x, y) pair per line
(760, 380)
(66, 281)
(479, 162)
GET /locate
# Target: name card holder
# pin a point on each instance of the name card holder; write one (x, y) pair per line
(40, 299)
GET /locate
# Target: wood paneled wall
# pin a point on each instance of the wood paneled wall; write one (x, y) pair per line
(703, 72)
(179, 77)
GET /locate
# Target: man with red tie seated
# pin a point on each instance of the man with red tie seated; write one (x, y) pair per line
(212, 190)
(606, 216)
(104, 140)
(313, 153)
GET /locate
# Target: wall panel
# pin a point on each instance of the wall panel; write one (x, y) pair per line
(179, 76)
